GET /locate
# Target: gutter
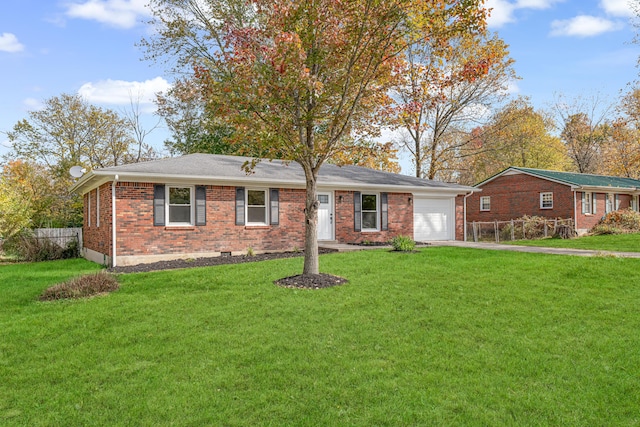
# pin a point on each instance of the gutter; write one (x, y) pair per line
(113, 220)
(575, 211)
(286, 183)
(464, 214)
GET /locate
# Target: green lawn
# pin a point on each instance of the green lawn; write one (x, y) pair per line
(446, 336)
(618, 242)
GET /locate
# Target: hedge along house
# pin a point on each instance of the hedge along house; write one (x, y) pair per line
(203, 205)
(585, 198)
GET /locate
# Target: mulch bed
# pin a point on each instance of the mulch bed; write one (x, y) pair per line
(311, 281)
(211, 261)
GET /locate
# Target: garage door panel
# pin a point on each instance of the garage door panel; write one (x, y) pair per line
(432, 219)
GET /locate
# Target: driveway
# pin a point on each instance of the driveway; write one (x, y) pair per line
(536, 249)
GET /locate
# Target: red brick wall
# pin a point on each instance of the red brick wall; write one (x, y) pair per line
(136, 234)
(97, 236)
(400, 215)
(587, 221)
(513, 196)
(459, 218)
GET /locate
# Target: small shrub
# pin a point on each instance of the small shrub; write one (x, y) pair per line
(72, 250)
(533, 226)
(250, 251)
(81, 287)
(403, 243)
(601, 229)
(618, 222)
(27, 247)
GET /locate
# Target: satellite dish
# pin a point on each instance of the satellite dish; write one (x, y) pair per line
(77, 171)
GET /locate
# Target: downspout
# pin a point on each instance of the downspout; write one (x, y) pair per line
(113, 220)
(575, 212)
(464, 215)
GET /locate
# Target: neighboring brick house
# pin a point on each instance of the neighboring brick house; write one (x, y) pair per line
(585, 198)
(206, 205)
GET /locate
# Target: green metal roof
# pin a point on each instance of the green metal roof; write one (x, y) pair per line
(582, 179)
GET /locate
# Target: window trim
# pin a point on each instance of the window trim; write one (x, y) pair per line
(267, 205)
(587, 203)
(482, 207)
(609, 203)
(542, 201)
(89, 209)
(167, 206)
(377, 211)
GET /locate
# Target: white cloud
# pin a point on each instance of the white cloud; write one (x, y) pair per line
(9, 43)
(536, 4)
(513, 88)
(121, 92)
(117, 13)
(620, 8)
(503, 11)
(32, 104)
(583, 26)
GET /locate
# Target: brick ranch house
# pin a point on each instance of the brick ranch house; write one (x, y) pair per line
(585, 198)
(206, 205)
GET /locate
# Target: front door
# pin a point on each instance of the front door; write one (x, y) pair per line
(325, 216)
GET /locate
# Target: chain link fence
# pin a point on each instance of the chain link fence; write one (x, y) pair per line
(519, 229)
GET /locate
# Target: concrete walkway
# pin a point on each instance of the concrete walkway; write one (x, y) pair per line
(536, 249)
(342, 247)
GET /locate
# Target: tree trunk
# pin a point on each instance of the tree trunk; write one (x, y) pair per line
(311, 261)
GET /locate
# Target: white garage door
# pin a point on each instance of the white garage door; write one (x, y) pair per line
(433, 219)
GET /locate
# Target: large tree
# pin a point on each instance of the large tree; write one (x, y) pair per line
(66, 132)
(192, 129)
(444, 93)
(298, 78)
(69, 131)
(517, 135)
(584, 127)
(621, 151)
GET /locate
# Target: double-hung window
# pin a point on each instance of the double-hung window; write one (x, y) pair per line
(369, 211)
(485, 203)
(256, 207)
(180, 205)
(546, 200)
(608, 207)
(587, 203)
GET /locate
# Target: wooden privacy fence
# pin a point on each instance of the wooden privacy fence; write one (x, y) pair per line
(60, 236)
(517, 229)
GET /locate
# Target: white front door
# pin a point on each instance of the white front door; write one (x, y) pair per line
(325, 216)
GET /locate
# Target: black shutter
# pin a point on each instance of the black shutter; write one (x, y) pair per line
(158, 205)
(274, 199)
(239, 205)
(357, 211)
(384, 215)
(201, 205)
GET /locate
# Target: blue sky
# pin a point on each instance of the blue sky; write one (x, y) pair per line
(572, 47)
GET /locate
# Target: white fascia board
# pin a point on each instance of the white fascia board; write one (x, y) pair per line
(601, 189)
(514, 171)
